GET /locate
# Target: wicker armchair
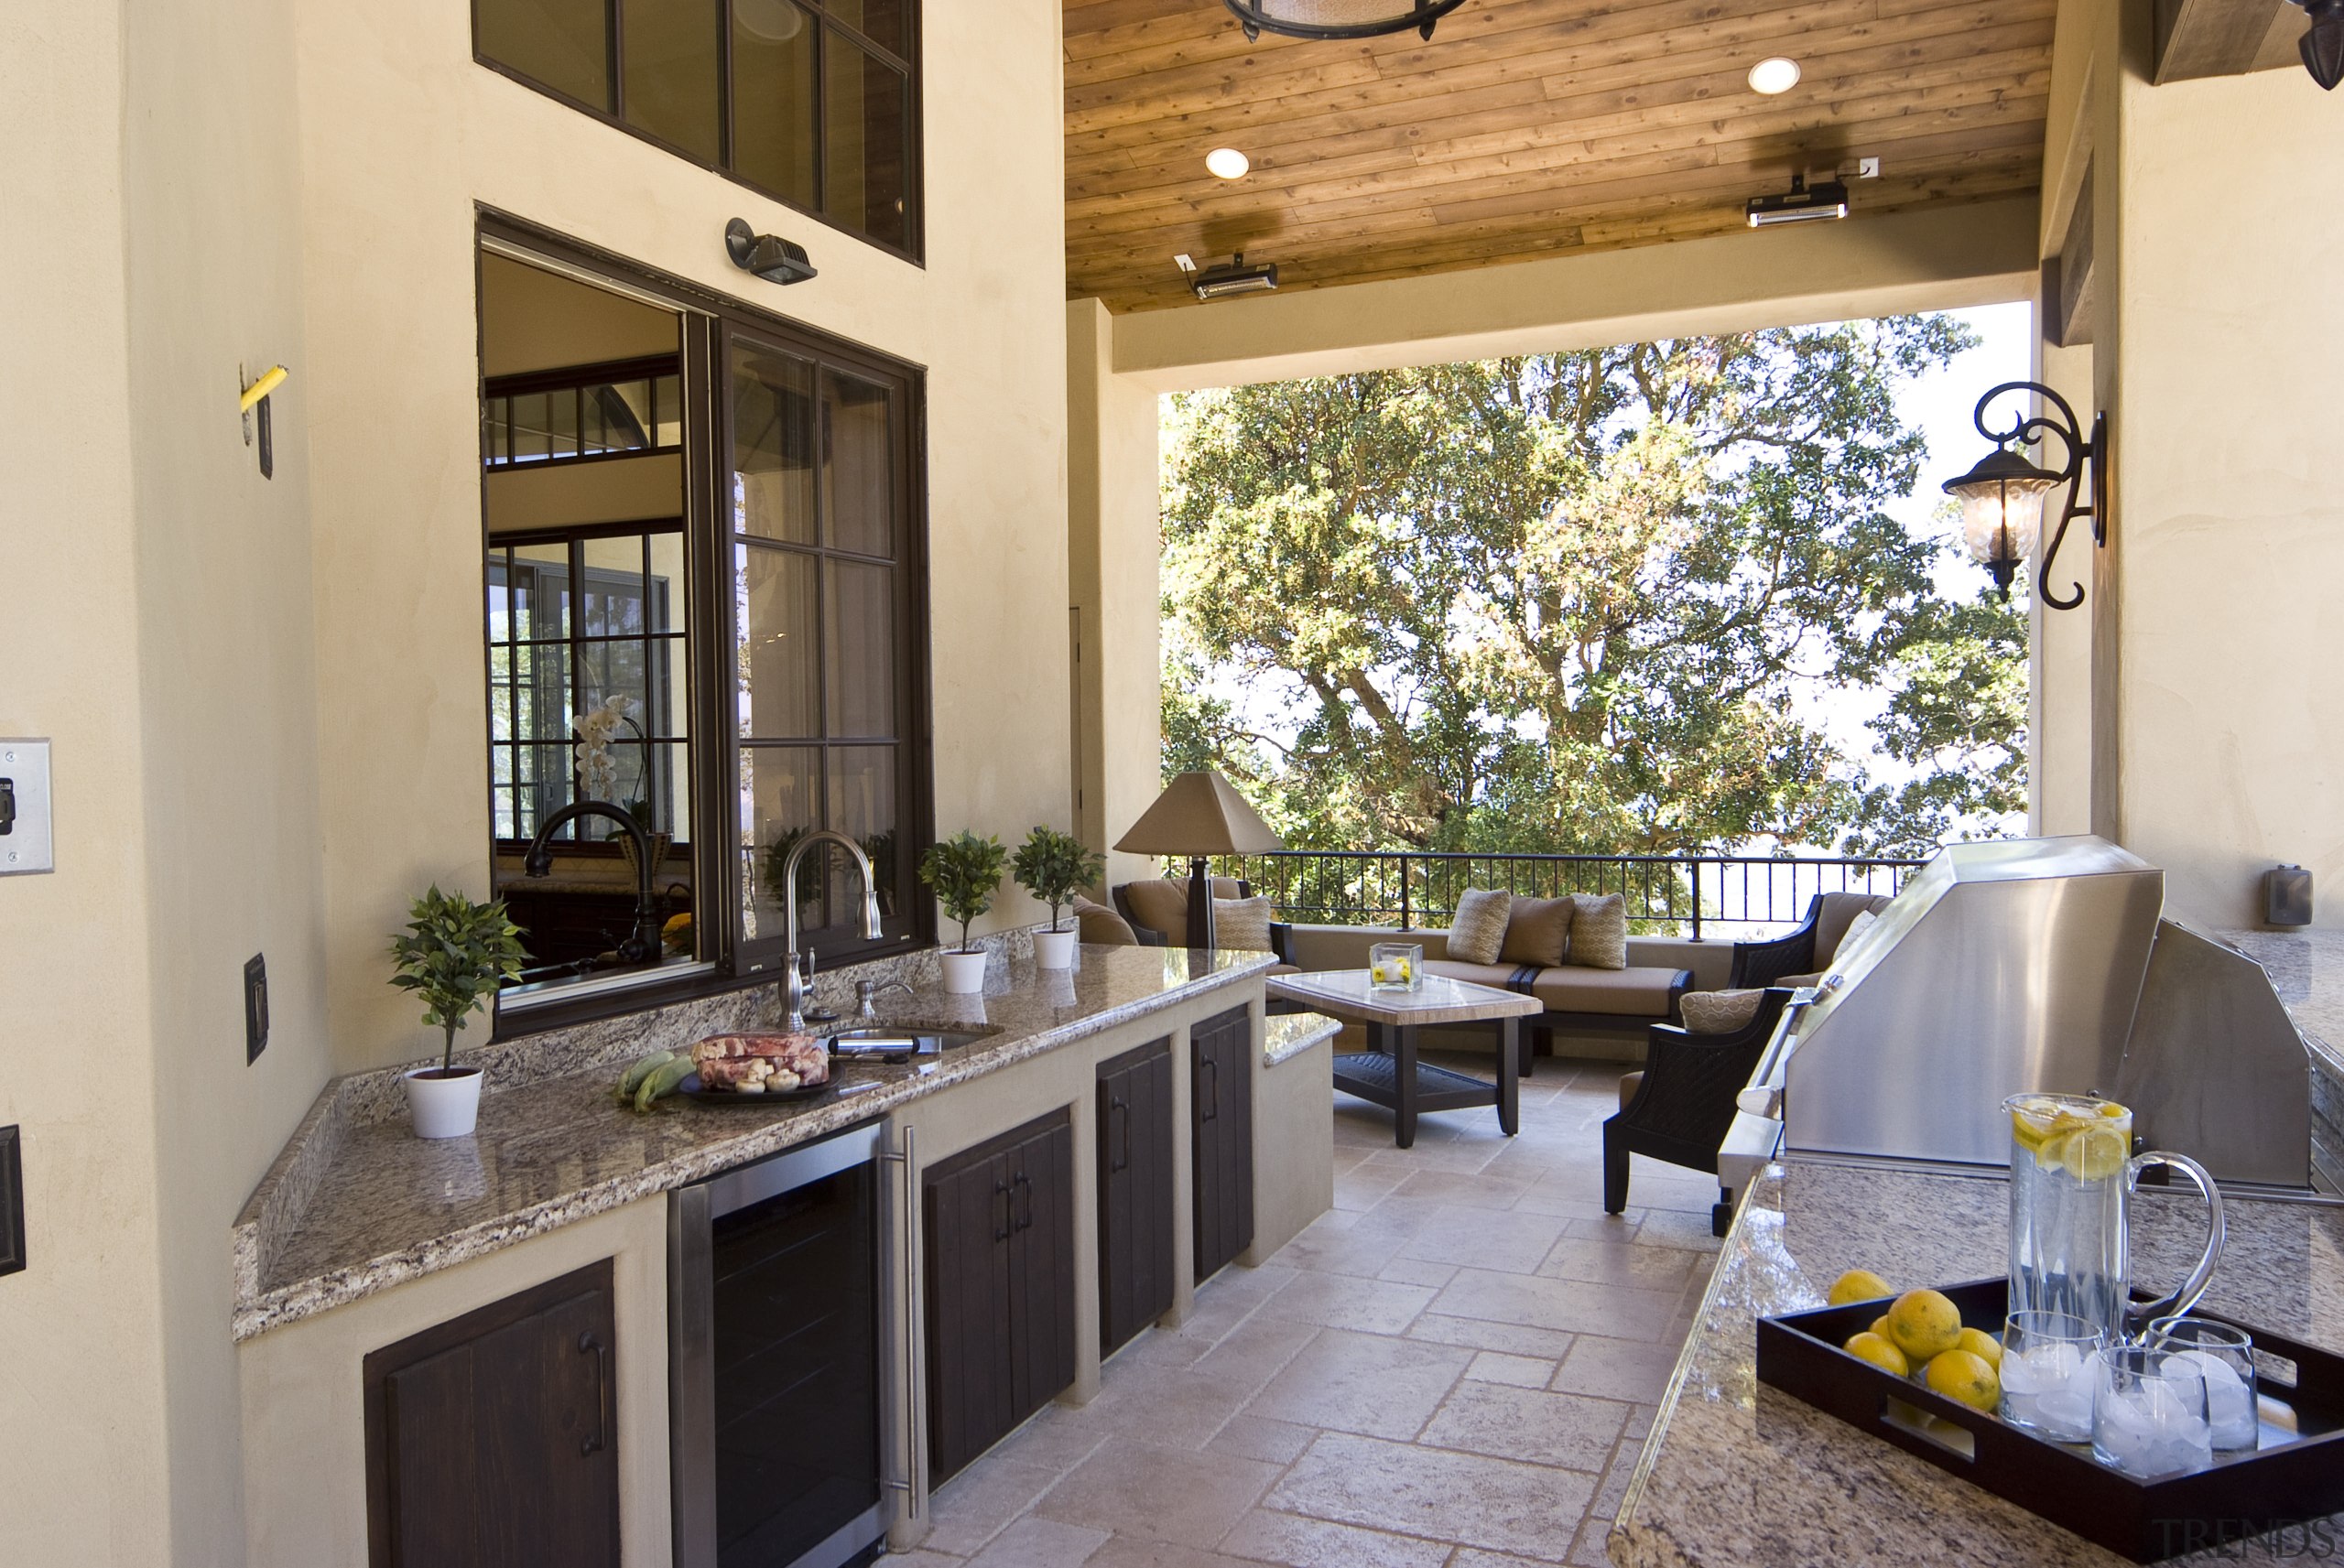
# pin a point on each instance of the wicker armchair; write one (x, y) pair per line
(1804, 951)
(1681, 1108)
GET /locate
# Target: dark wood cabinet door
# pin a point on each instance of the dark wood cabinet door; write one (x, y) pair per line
(998, 1254)
(1136, 1236)
(492, 1439)
(1221, 1114)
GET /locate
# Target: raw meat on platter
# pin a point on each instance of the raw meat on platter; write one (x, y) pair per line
(753, 1063)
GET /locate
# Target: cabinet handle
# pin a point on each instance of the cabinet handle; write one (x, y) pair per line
(1001, 1191)
(1212, 1100)
(1025, 1221)
(1122, 1161)
(593, 1444)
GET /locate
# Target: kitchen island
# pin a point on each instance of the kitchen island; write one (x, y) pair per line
(546, 1243)
(1737, 1475)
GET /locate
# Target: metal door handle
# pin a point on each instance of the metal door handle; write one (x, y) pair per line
(1026, 1222)
(594, 1441)
(1001, 1191)
(1123, 1161)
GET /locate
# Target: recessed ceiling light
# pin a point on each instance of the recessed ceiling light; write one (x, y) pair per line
(1772, 75)
(1228, 163)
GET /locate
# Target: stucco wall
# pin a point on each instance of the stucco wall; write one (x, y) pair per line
(403, 133)
(2229, 547)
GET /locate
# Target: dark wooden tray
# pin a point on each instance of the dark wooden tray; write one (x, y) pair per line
(2239, 1496)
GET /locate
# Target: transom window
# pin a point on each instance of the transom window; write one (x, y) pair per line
(814, 101)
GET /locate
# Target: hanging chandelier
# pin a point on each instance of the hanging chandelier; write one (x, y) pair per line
(1340, 18)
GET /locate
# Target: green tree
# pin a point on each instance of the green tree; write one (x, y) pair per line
(1570, 601)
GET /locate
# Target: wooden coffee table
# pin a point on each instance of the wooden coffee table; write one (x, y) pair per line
(1389, 1074)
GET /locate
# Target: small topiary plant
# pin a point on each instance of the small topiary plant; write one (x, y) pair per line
(964, 873)
(454, 953)
(1055, 866)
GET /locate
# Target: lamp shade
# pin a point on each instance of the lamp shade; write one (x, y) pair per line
(1198, 815)
(2002, 510)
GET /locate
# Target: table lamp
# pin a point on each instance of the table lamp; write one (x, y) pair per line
(1197, 816)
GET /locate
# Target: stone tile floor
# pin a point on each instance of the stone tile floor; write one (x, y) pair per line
(1453, 1369)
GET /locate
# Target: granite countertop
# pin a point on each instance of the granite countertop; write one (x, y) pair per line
(1738, 1474)
(357, 1203)
(1289, 1034)
(2306, 968)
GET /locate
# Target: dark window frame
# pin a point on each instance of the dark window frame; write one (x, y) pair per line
(707, 319)
(653, 368)
(914, 248)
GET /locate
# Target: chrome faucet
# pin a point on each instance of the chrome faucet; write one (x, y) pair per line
(794, 986)
(866, 996)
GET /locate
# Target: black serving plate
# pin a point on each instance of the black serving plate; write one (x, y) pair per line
(2292, 1479)
(690, 1089)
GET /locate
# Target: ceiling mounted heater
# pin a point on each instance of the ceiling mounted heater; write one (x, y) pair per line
(1802, 204)
(1233, 277)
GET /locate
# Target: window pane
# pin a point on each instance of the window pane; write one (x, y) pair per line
(881, 21)
(663, 603)
(561, 43)
(773, 444)
(857, 450)
(613, 606)
(863, 173)
(860, 649)
(670, 70)
(773, 97)
(541, 591)
(493, 437)
(779, 785)
(561, 423)
(780, 696)
(862, 806)
(532, 428)
(667, 423)
(500, 618)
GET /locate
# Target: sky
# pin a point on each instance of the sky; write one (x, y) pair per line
(1940, 405)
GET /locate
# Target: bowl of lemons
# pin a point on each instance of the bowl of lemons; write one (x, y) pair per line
(1922, 1336)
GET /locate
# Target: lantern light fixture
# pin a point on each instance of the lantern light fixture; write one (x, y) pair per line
(2003, 497)
(1339, 19)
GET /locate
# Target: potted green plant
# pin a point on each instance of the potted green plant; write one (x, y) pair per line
(1054, 867)
(453, 953)
(964, 873)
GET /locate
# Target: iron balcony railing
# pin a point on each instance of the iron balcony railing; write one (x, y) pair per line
(1676, 894)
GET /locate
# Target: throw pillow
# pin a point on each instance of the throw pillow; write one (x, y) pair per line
(1160, 905)
(1537, 930)
(1718, 1012)
(1599, 931)
(1478, 932)
(1856, 928)
(1242, 925)
(1097, 922)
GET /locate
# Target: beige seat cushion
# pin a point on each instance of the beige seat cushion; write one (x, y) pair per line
(1495, 976)
(1838, 911)
(1161, 903)
(1641, 992)
(1242, 924)
(1599, 931)
(1719, 1012)
(1537, 930)
(1793, 982)
(1629, 1084)
(1097, 922)
(1478, 932)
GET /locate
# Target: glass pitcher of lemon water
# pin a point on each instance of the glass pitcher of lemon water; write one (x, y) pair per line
(2072, 1171)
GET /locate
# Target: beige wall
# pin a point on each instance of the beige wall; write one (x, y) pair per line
(2222, 374)
(1113, 547)
(390, 249)
(160, 633)
(2059, 642)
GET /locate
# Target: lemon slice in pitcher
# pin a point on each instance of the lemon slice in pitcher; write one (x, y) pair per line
(2095, 1153)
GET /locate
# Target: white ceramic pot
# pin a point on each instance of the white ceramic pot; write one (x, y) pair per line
(443, 1108)
(964, 973)
(1054, 949)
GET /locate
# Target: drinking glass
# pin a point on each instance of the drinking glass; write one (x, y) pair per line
(2048, 1374)
(2224, 1356)
(2149, 1413)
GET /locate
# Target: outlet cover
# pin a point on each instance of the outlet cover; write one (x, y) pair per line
(255, 1007)
(12, 1201)
(24, 845)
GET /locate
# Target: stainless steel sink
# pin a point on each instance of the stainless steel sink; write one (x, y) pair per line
(898, 1045)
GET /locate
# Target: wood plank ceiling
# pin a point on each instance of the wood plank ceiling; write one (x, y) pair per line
(1525, 129)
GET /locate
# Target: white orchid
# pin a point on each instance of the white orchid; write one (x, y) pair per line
(597, 773)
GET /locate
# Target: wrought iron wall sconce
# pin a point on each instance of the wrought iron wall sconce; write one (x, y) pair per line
(769, 257)
(1351, 19)
(2001, 498)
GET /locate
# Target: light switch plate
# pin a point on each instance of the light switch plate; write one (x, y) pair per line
(26, 846)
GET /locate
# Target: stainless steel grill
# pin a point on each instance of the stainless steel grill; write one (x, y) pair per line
(2033, 965)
